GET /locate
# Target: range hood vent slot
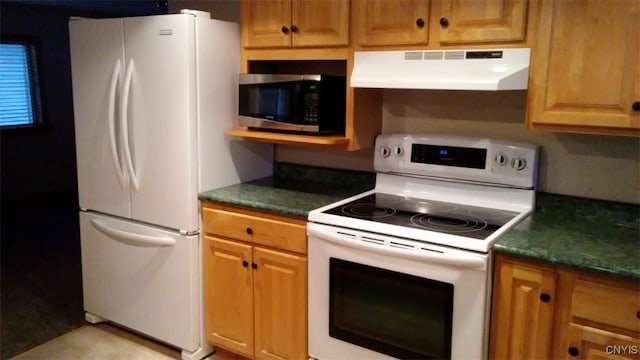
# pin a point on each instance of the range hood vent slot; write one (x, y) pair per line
(473, 69)
(413, 55)
(433, 55)
(454, 55)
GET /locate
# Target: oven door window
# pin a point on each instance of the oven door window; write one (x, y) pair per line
(397, 314)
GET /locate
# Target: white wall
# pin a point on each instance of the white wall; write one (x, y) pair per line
(594, 166)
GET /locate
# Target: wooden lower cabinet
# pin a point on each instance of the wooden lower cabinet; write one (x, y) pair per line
(522, 316)
(255, 296)
(546, 312)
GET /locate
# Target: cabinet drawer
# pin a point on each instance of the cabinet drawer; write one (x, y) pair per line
(269, 232)
(608, 305)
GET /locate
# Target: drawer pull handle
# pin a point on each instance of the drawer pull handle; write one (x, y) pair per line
(254, 265)
(573, 351)
(544, 297)
(245, 263)
(249, 231)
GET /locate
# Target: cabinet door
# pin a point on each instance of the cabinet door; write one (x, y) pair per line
(487, 21)
(280, 296)
(320, 23)
(229, 295)
(586, 67)
(523, 301)
(266, 23)
(392, 22)
(591, 343)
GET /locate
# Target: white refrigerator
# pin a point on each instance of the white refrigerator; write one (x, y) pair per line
(153, 97)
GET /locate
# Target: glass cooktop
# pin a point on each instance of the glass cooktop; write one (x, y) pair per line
(455, 219)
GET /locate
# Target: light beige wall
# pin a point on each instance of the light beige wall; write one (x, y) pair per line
(602, 167)
(228, 10)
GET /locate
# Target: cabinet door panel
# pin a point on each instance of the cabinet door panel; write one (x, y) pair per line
(592, 343)
(388, 22)
(262, 23)
(471, 21)
(280, 296)
(586, 68)
(229, 295)
(522, 322)
(320, 22)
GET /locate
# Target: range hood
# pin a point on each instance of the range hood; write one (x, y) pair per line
(477, 69)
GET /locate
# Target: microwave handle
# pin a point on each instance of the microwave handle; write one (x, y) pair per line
(427, 256)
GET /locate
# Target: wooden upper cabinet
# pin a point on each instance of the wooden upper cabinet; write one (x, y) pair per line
(266, 23)
(294, 23)
(586, 68)
(320, 23)
(392, 22)
(481, 21)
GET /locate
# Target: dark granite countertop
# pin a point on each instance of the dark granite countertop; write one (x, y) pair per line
(294, 190)
(585, 234)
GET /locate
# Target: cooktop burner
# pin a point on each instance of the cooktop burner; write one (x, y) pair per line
(469, 221)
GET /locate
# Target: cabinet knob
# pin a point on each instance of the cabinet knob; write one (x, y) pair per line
(285, 30)
(245, 263)
(444, 22)
(254, 265)
(249, 231)
(544, 297)
(573, 351)
(636, 106)
(638, 314)
(294, 29)
(420, 23)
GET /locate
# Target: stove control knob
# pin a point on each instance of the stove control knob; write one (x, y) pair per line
(398, 150)
(518, 163)
(501, 159)
(385, 152)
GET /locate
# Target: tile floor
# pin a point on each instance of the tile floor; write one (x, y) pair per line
(105, 341)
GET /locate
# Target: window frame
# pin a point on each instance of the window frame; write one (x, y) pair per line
(35, 82)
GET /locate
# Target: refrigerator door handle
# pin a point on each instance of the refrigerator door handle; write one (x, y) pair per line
(111, 121)
(132, 238)
(124, 110)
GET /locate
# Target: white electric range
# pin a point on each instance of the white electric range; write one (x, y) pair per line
(403, 271)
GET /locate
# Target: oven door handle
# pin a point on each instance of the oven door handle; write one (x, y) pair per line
(426, 256)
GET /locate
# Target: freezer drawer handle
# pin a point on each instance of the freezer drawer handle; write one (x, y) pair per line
(132, 238)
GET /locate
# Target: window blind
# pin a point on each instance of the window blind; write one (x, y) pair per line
(17, 85)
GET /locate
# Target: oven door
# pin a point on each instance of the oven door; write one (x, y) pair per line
(378, 297)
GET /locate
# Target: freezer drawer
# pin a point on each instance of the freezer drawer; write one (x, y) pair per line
(142, 277)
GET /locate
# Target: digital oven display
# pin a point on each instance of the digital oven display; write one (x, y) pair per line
(449, 156)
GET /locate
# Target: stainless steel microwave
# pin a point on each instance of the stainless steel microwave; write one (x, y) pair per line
(293, 103)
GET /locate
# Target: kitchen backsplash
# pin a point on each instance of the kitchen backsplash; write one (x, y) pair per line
(593, 166)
